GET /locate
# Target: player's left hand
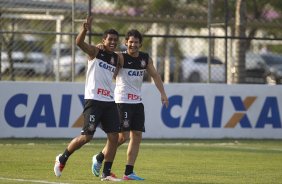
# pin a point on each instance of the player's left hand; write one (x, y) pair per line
(87, 24)
(164, 100)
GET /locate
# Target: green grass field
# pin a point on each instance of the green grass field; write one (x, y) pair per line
(159, 161)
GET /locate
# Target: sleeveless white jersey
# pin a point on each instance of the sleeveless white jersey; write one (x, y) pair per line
(130, 78)
(99, 83)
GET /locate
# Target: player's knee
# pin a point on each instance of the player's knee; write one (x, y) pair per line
(83, 139)
(122, 139)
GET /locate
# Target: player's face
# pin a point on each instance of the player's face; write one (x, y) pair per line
(110, 42)
(133, 44)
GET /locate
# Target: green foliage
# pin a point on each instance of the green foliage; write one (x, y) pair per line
(159, 161)
(162, 7)
(275, 48)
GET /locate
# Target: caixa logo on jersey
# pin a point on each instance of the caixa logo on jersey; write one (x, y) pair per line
(267, 114)
(42, 111)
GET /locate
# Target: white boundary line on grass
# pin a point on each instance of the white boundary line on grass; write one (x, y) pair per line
(233, 145)
(219, 145)
(32, 181)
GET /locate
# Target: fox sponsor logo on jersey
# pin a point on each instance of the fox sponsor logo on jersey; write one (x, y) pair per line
(134, 73)
(107, 66)
(197, 113)
(103, 92)
(133, 97)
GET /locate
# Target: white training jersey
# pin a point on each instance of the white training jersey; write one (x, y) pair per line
(130, 78)
(99, 83)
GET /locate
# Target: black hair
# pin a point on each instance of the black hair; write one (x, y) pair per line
(135, 33)
(110, 31)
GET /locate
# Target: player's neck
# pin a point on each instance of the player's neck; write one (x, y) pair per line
(133, 54)
(109, 51)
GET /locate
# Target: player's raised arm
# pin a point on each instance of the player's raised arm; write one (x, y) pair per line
(80, 39)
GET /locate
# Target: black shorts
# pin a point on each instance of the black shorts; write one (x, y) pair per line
(99, 113)
(132, 116)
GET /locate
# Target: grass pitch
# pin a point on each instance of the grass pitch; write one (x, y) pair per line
(159, 161)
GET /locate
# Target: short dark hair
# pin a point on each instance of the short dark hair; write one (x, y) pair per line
(135, 33)
(110, 31)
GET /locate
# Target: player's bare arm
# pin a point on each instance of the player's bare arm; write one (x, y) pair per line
(80, 40)
(158, 81)
(119, 65)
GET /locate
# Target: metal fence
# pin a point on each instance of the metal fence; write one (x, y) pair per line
(189, 41)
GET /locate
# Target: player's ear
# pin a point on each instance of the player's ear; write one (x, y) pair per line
(125, 42)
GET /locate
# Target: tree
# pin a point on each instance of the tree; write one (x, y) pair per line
(240, 29)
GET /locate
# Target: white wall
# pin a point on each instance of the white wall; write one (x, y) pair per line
(196, 110)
